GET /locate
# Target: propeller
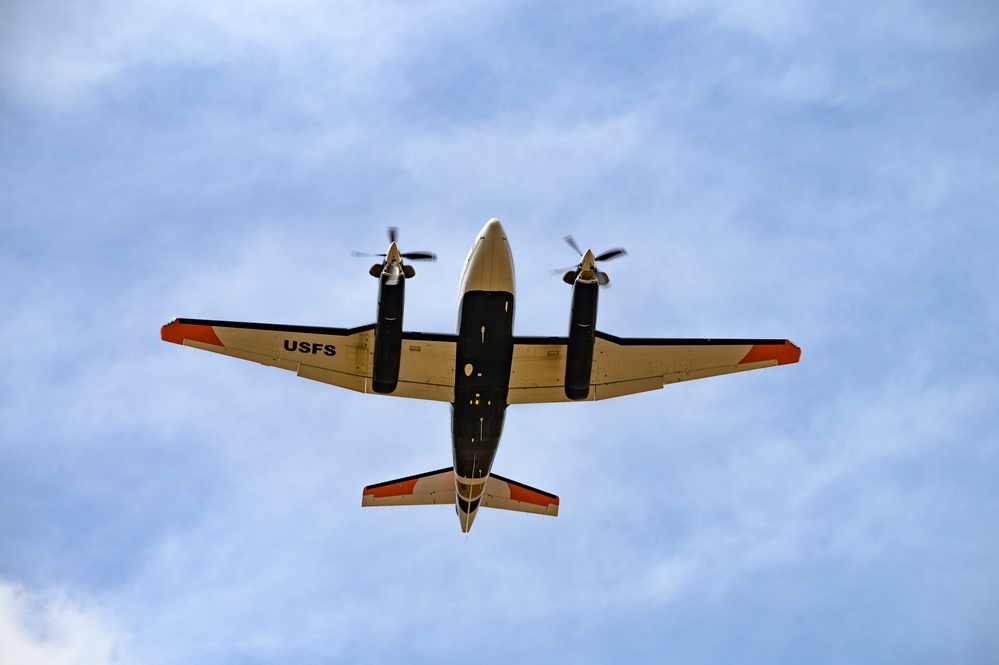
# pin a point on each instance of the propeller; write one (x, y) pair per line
(394, 256)
(586, 268)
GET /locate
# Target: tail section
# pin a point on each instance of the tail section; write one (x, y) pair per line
(439, 487)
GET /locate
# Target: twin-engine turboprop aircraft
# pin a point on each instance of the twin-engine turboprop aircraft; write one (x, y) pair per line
(482, 368)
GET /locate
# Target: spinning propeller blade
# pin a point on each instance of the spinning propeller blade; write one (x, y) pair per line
(393, 235)
(572, 273)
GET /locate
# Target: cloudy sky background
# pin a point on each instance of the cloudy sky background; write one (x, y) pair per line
(826, 173)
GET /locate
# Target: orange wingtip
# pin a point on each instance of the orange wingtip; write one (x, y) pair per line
(784, 354)
(403, 488)
(177, 332)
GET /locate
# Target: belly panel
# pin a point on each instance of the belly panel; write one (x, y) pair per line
(482, 377)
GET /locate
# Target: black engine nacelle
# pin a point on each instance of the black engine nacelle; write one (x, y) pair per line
(388, 332)
(582, 334)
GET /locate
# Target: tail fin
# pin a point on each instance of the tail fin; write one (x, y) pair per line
(437, 487)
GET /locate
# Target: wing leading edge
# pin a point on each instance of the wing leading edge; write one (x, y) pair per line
(337, 356)
(622, 366)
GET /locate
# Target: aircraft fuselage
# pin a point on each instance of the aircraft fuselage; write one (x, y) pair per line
(483, 360)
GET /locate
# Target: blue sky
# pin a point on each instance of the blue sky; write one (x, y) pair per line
(826, 173)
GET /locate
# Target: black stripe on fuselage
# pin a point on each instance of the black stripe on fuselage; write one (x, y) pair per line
(467, 506)
(483, 358)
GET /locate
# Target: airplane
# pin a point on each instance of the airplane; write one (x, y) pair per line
(482, 368)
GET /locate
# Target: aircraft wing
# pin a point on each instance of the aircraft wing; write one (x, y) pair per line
(622, 366)
(337, 356)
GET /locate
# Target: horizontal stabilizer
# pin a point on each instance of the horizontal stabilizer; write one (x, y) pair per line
(419, 490)
(437, 487)
(507, 494)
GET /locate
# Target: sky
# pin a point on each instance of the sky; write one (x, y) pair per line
(823, 172)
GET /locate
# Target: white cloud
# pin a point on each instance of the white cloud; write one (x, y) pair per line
(50, 629)
(236, 487)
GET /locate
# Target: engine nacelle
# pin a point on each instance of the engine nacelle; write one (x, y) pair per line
(582, 334)
(388, 332)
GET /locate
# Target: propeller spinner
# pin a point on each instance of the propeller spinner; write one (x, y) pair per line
(586, 270)
(394, 258)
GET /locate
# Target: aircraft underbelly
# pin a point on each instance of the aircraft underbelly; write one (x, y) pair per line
(482, 378)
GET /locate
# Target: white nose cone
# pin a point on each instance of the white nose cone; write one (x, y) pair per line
(489, 266)
(493, 230)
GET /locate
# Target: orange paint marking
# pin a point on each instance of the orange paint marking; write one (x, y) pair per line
(404, 488)
(784, 354)
(527, 496)
(177, 332)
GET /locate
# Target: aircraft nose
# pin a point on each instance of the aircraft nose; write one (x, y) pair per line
(489, 266)
(493, 230)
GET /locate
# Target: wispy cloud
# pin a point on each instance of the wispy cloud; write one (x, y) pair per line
(51, 629)
(791, 169)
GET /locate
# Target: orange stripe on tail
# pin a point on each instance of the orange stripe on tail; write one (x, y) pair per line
(521, 493)
(381, 491)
